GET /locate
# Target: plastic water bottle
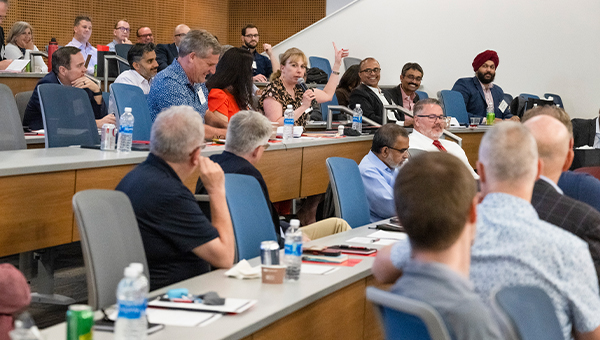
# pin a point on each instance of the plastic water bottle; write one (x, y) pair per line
(131, 321)
(293, 251)
(125, 131)
(357, 118)
(288, 123)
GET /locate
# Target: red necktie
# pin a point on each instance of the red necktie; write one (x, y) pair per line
(439, 145)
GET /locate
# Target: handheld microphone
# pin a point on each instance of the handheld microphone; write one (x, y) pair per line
(302, 84)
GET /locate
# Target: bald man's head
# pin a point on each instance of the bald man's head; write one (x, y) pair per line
(553, 143)
(180, 32)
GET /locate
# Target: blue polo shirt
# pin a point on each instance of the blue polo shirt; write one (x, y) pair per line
(171, 87)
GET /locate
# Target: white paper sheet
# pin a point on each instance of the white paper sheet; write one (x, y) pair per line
(371, 241)
(17, 65)
(317, 269)
(388, 235)
(171, 317)
(230, 306)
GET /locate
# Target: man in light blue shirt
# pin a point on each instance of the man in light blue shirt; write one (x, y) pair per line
(512, 245)
(377, 169)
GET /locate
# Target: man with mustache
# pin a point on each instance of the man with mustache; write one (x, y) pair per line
(405, 93)
(480, 93)
(429, 123)
(142, 59)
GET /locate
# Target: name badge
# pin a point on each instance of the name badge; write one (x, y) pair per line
(201, 96)
(502, 106)
(254, 65)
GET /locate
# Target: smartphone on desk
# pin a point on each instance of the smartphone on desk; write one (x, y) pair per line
(107, 325)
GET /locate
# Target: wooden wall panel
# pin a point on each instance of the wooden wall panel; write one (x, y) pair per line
(276, 20)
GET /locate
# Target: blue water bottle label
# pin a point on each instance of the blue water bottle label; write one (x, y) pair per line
(293, 249)
(288, 121)
(130, 309)
(126, 129)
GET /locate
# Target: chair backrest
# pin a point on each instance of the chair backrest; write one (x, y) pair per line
(325, 106)
(321, 63)
(527, 95)
(110, 240)
(556, 98)
(250, 215)
(122, 50)
(349, 195)
(531, 312)
(422, 95)
(22, 99)
(132, 96)
(407, 319)
(11, 127)
(592, 170)
(68, 116)
(454, 106)
(349, 61)
(508, 98)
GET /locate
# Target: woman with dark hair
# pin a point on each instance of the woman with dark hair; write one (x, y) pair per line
(231, 85)
(349, 81)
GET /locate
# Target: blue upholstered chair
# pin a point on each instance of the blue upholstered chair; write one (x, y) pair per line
(531, 312)
(556, 98)
(68, 116)
(422, 95)
(454, 106)
(325, 106)
(349, 195)
(528, 95)
(321, 63)
(407, 319)
(250, 215)
(132, 96)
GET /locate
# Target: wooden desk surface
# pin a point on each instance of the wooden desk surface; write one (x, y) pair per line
(331, 306)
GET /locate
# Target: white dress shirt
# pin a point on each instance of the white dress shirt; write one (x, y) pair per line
(131, 77)
(390, 114)
(13, 52)
(86, 49)
(417, 140)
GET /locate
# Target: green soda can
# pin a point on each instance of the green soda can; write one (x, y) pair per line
(80, 320)
(490, 117)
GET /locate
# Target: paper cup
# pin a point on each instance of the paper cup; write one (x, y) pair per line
(273, 274)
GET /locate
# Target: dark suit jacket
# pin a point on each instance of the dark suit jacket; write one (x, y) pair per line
(396, 94)
(581, 186)
(370, 104)
(234, 164)
(1, 42)
(584, 131)
(165, 54)
(471, 90)
(569, 214)
(33, 112)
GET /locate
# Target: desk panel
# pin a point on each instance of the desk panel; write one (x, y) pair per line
(35, 211)
(336, 316)
(314, 170)
(470, 144)
(281, 171)
(99, 178)
(20, 84)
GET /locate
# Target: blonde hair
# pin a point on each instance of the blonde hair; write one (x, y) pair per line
(291, 54)
(17, 29)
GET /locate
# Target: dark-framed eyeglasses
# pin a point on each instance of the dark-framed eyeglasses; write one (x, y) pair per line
(411, 77)
(371, 70)
(250, 36)
(433, 118)
(402, 151)
(124, 29)
(180, 35)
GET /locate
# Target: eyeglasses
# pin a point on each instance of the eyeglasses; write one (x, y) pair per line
(266, 146)
(402, 151)
(145, 35)
(250, 36)
(411, 77)
(201, 147)
(433, 118)
(180, 34)
(371, 70)
(124, 29)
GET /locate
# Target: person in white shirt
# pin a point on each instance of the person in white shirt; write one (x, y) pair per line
(20, 43)
(429, 123)
(121, 34)
(142, 58)
(82, 30)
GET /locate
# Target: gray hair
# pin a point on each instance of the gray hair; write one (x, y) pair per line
(17, 29)
(176, 132)
(509, 153)
(199, 41)
(246, 131)
(420, 105)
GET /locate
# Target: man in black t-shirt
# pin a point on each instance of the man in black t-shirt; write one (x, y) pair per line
(180, 242)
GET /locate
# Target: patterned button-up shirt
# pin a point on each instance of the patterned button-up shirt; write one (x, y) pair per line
(514, 247)
(171, 87)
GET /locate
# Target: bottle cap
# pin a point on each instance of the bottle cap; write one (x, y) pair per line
(127, 109)
(357, 106)
(139, 268)
(130, 272)
(294, 223)
(290, 107)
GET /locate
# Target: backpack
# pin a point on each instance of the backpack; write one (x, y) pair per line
(316, 75)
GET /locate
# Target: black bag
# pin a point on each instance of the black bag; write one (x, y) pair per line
(521, 104)
(316, 75)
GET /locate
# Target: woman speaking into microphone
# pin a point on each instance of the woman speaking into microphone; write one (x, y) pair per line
(287, 87)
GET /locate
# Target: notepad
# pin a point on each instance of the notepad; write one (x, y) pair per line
(388, 235)
(233, 306)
